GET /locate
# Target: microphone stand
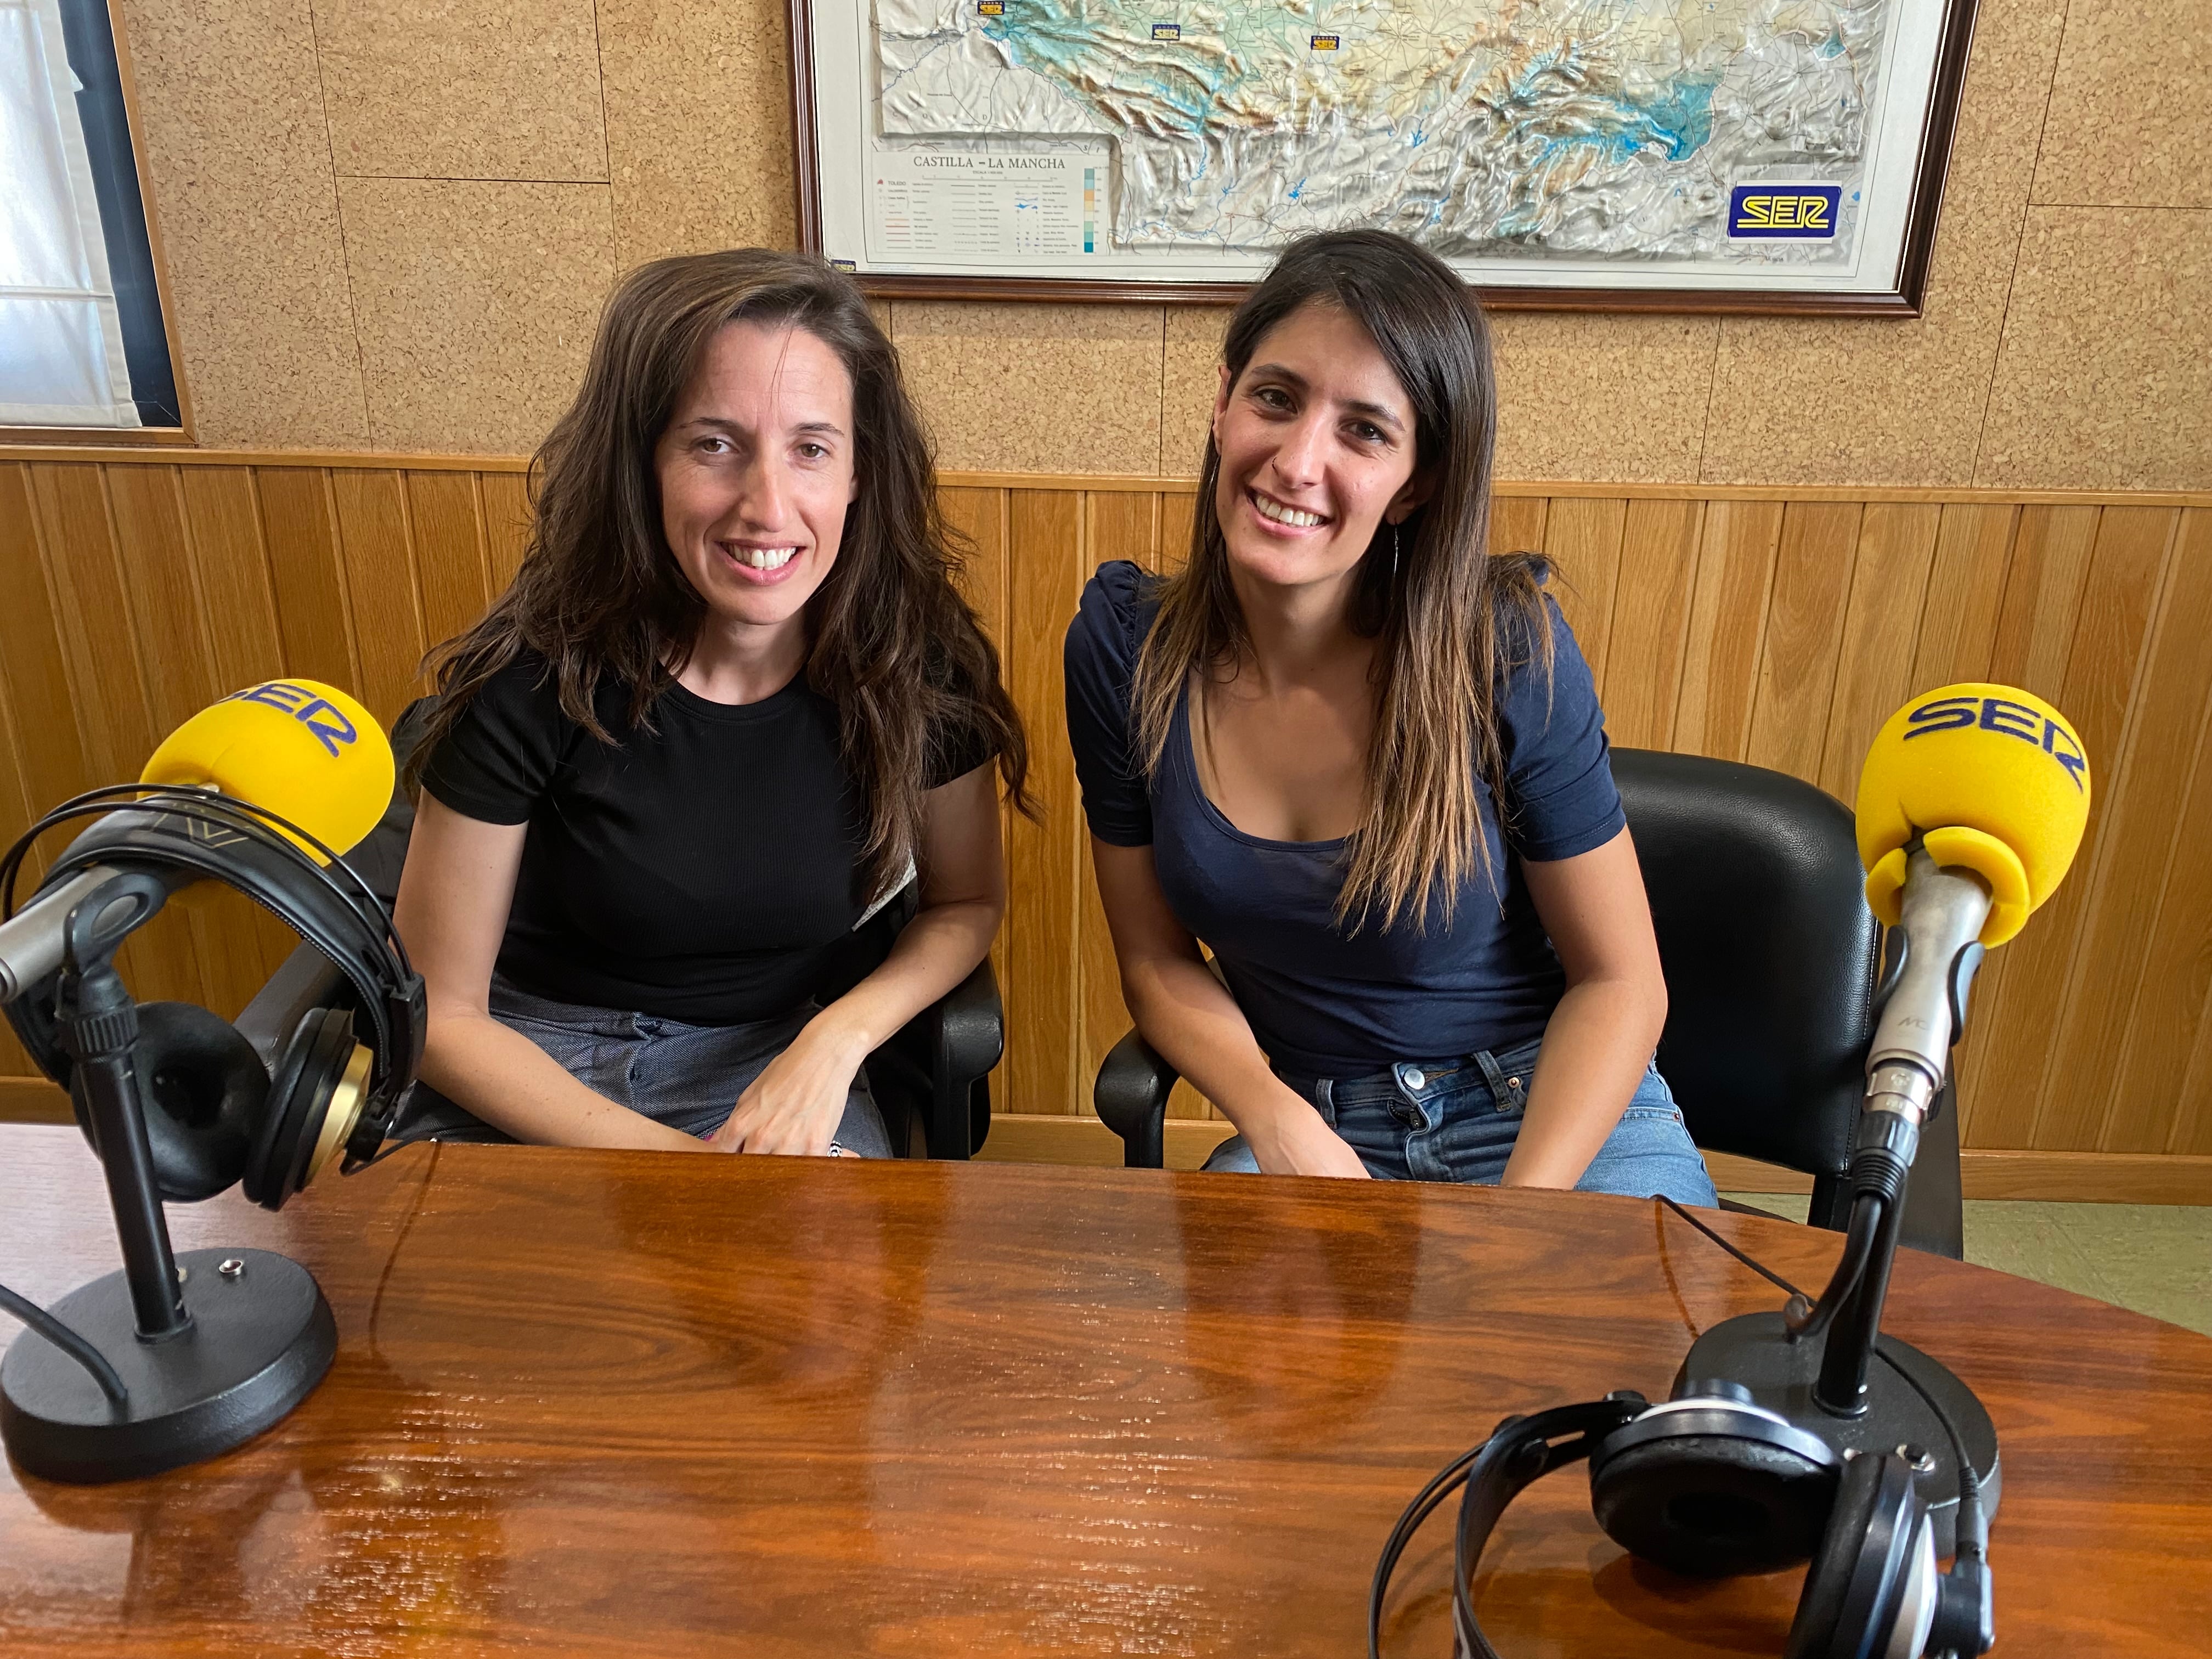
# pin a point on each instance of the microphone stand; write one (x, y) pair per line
(212, 1346)
(1816, 1366)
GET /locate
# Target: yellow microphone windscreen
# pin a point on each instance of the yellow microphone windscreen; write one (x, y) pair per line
(1993, 779)
(307, 751)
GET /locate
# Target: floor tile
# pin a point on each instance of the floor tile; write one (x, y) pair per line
(2154, 1258)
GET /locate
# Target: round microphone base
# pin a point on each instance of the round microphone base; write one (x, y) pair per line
(261, 1339)
(1754, 1349)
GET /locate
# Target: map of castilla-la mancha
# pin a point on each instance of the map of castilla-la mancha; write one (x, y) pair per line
(1579, 128)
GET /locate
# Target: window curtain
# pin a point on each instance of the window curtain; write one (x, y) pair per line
(61, 339)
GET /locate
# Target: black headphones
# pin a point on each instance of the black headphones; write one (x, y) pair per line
(214, 1115)
(1710, 1485)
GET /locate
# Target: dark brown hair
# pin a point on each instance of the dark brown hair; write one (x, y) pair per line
(1451, 617)
(600, 596)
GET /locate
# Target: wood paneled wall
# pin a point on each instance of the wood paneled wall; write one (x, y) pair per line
(1776, 627)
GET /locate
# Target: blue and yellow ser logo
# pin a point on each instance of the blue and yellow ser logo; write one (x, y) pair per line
(1325, 43)
(1167, 31)
(1789, 211)
(315, 712)
(2013, 719)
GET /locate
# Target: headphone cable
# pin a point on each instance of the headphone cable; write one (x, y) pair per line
(75, 1346)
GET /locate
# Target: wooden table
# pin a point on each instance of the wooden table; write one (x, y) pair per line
(626, 1403)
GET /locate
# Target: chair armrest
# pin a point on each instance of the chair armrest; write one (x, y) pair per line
(960, 1037)
(1131, 1096)
(308, 980)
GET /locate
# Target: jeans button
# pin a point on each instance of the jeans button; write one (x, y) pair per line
(1415, 1077)
(1512, 1082)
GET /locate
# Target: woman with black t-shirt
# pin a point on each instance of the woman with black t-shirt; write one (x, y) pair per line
(731, 704)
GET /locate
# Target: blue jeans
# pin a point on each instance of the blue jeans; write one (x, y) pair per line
(687, 1076)
(1456, 1120)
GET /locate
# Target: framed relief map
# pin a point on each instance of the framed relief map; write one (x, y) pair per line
(1750, 156)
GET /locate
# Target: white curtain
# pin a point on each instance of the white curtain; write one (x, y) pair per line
(61, 339)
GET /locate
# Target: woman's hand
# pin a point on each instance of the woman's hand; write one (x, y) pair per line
(793, 1108)
(1187, 1013)
(1296, 1141)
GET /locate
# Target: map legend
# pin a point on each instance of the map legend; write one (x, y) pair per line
(978, 205)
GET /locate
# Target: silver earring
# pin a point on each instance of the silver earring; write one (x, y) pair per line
(1393, 552)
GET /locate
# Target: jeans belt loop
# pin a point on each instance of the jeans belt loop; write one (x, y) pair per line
(1494, 1074)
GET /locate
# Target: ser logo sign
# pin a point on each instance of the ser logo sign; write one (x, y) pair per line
(2013, 719)
(1783, 212)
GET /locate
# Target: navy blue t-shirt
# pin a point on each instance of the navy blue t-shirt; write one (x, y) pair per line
(1323, 1003)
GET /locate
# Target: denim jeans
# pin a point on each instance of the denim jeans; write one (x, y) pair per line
(687, 1076)
(1456, 1120)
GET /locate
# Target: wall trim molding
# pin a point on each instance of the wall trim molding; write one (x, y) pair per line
(2086, 1177)
(954, 478)
(34, 1100)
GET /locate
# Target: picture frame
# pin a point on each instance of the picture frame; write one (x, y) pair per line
(836, 113)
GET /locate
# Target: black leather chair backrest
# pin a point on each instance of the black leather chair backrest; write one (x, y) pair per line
(381, 854)
(1769, 950)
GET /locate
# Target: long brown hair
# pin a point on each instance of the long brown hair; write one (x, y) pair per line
(1451, 619)
(600, 596)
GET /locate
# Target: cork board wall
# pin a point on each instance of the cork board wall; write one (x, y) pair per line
(390, 228)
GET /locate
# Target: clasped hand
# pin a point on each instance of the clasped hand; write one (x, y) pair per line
(1299, 1141)
(793, 1108)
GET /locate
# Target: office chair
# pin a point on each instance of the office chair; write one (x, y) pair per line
(1770, 955)
(931, 1081)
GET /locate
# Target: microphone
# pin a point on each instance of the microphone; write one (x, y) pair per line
(1971, 803)
(1970, 807)
(305, 751)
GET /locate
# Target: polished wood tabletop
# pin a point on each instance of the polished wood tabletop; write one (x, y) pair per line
(636, 1404)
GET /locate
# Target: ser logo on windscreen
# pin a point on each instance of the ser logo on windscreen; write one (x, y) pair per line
(318, 714)
(2013, 719)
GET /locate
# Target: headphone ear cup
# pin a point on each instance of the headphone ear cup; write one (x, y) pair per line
(1869, 1566)
(1712, 1505)
(321, 1070)
(200, 1088)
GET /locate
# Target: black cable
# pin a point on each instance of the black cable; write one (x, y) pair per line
(69, 1342)
(1757, 1267)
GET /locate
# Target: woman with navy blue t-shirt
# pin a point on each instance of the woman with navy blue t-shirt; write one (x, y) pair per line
(1361, 759)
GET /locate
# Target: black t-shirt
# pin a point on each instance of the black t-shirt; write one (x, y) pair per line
(706, 871)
